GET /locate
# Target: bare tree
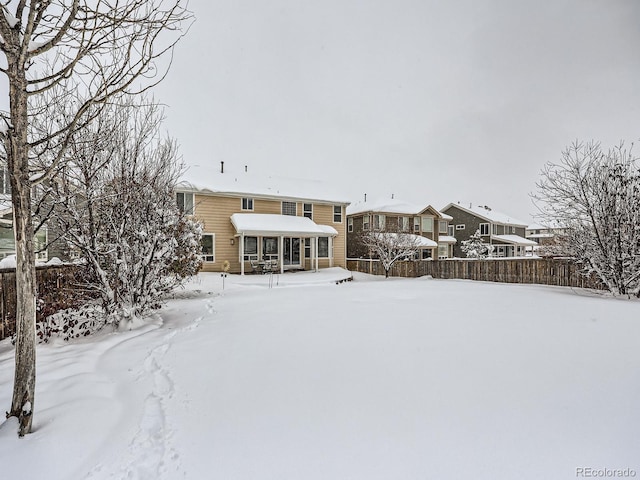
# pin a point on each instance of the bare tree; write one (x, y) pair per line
(595, 195)
(76, 53)
(115, 206)
(389, 247)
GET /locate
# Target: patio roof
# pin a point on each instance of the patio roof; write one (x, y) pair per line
(514, 240)
(267, 224)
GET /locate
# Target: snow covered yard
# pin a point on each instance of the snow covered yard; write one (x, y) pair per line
(370, 379)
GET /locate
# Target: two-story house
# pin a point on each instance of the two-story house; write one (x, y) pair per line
(393, 215)
(505, 233)
(249, 219)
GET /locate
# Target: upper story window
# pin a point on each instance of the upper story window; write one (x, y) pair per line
(427, 224)
(484, 229)
(460, 226)
(494, 229)
(247, 204)
(416, 224)
(513, 229)
(443, 224)
(366, 222)
(337, 214)
(350, 224)
(307, 210)
(289, 208)
(185, 202)
(5, 182)
(451, 231)
(379, 222)
(403, 224)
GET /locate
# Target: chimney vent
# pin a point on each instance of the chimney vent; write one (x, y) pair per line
(221, 166)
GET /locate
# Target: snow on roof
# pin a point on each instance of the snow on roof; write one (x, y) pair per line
(488, 214)
(262, 185)
(262, 224)
(384, 206)
(514, 239)
(398, 207)
(412, 240)
(447, 239)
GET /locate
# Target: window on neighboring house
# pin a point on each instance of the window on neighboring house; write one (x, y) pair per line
(337, 214)
(443, 226)
(250, 248)
(379, 222)
(40, 244)
(403, 224)
(460, 226)
(350, 224)
(208, 247)
(443, 250)
(307, 248)
(451, 230)
(5, 182)
(426, 254)
(323, 247)
(427, 224)
(366, 222)
(494, 229)
(247, 204)
(513, 229)
(185, 202)
(307, 210)
(416, 224)
(484, 229)
(289, 208)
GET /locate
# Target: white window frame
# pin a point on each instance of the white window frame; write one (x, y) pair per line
(246, 204)
(209, 258)
(328, 247)
(250, 256)
(307, 212)
(338, 214)
(379, 221)
(513, 229)
(350, 224)
(423, 221)
(494, 229)
(184, 207)
(441, 247)
(288, 205)
(443, 226)
(484, 228)
(451, 230)
(366, 222)
(460, 226)
(416, 224)
(403, 224)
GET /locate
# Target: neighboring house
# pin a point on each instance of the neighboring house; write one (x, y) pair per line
(7, 239)
(549, 240)
(397, 216)
(505, 233)
(250, 221)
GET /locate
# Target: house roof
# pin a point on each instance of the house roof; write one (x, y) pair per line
(488, 214)
(265, 186)
(412, 240)
(393, 206)
(514, 239)
(447, 239)
(266, 224)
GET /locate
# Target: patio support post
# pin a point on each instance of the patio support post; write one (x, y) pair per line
(281, 253)
(315, 251)
(242, 254)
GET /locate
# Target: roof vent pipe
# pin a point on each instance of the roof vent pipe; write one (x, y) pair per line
(245, 169)
(365, 197)
(221, 166)
(392, 196)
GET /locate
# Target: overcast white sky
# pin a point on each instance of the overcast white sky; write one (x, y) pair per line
(434, 101)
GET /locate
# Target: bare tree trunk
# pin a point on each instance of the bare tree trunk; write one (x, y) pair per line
(18, 165)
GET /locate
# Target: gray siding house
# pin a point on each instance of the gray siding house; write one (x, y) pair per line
(505, 233)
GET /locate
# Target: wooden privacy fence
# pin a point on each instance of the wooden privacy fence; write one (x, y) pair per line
(59, 287)
(544, 271)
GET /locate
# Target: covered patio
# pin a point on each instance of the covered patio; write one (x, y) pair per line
(510, 245)
(286, 241)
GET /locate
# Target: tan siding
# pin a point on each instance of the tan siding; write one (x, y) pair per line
(215, 212)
